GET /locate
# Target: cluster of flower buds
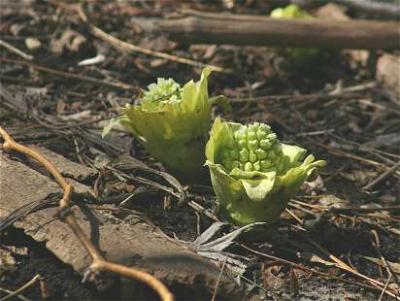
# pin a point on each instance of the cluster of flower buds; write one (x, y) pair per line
(255, 148)
(165, 90)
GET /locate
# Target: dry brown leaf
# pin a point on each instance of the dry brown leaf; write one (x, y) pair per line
(395, 266)
(70, 40)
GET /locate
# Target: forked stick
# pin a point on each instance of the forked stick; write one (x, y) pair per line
(99, 263)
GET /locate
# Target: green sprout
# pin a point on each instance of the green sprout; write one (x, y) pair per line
(253, 174)
(172, 122)
(292, 11)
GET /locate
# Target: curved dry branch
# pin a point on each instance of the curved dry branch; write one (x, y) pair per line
(99, 263)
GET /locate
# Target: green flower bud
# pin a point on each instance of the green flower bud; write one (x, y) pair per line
(165, 90)
(252, 157)
(258, 186)
(248, 166)
(244, 155)
(261, 134)
(261, 154)
(265, 164)
(234, 154)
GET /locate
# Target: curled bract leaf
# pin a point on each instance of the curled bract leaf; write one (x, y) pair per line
(172, 122)
(253, 174)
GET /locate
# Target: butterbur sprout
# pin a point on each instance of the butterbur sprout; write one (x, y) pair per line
(172, 122)
(253, 174)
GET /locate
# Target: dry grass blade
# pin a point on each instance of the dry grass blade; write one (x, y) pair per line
(66, 215)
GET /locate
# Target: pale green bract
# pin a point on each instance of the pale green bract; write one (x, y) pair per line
(172, 122)
(252, 173)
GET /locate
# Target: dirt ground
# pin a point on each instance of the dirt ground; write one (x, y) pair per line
(334, 106)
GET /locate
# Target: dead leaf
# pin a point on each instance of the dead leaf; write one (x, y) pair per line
(387, 72)
(395, 266)
(32, 43)
(315, 185)
(273, 277)
(332, 11)
(331, 200)
(361, 177)
(70, 40)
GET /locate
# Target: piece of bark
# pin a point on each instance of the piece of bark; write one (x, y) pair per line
(391, 10)
(388, 73)
(66, 167)
(211, 28)
(130, 241)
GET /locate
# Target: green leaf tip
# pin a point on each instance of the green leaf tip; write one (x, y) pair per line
(253, 174)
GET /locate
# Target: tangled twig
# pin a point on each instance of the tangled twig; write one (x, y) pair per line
(99, 263)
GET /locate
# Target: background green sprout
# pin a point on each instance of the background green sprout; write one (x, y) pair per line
(252, 173)
(297, 55)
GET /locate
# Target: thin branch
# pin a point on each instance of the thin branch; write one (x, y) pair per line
(385, 287)
(16, 50)
(22, 288)
(218, 280)
(67, 216)
(21, 297)
(382, 176)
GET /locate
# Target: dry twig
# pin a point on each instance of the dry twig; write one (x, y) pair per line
(22, 288)
(99, 263)
(218, 280)
(16, 50)
(21, 297)
(382, 176)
